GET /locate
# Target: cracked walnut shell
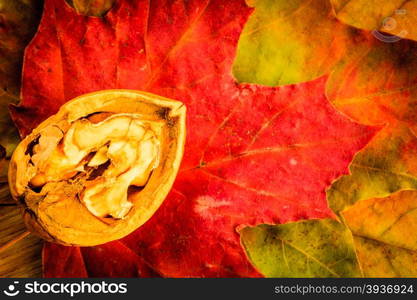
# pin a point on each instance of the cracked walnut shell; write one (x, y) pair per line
(99, 168)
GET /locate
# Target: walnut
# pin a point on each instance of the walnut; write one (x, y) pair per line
(99, 168)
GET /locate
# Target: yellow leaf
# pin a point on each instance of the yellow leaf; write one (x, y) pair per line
(395, 17)
(384, 230)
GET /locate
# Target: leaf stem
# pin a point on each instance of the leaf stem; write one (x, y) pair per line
(14, 241)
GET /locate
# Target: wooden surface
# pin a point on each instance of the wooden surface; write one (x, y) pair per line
(20, 251)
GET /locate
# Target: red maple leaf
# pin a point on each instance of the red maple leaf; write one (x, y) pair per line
(253, 154)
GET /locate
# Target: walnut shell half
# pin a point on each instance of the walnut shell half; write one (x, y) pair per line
(99, 168)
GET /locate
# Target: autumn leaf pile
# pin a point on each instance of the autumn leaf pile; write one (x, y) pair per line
(301, 153)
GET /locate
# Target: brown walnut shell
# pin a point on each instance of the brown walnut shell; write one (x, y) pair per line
(100, 167)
